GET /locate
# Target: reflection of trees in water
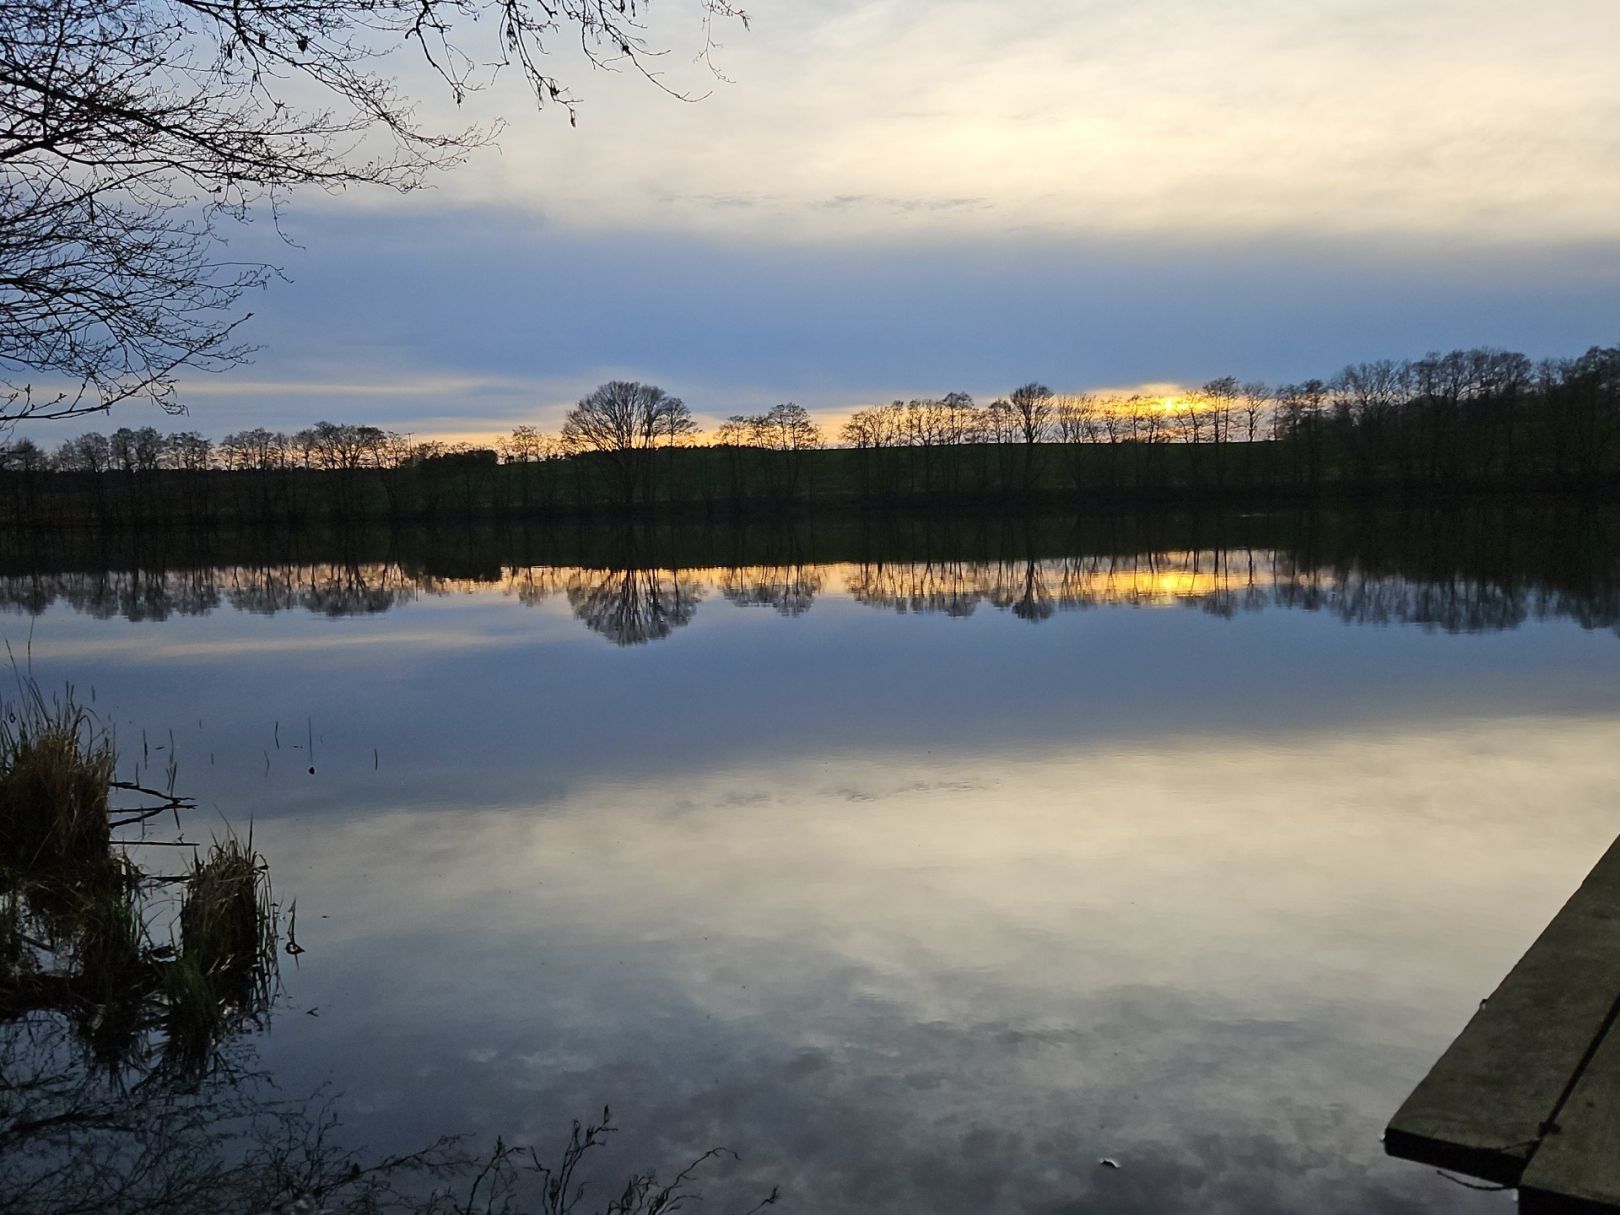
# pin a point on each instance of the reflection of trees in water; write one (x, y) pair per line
(1034, 589)
(1225, 583)
(74, 1141)
(953, 588)
(1024, 591)
(790, 589)
(632, 607)
(1455, 605)
(131, 594)
(328, 589)
(333, 589)
(534, 584)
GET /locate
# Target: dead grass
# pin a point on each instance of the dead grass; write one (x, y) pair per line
(228, 922)
(225, 971)
(75, 909)
(56, 767)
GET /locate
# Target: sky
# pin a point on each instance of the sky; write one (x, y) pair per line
(883, 199)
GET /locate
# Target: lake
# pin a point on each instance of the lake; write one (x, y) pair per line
(924, 864)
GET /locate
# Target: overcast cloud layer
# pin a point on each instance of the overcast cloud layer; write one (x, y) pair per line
(889, 199)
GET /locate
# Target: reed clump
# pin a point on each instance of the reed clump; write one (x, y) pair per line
(224, 973)
(56, 769)
(228, 923)
(226, 919)
(77, 912)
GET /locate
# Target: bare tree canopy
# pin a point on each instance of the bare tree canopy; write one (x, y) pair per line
(625, 422)
(626, 416)
(1034, 405)
(132, 131)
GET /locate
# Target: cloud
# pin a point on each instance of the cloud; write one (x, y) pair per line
(897, 200)
(417, 386)
(1459, 120)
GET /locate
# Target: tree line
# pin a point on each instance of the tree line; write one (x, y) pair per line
(1478, 419)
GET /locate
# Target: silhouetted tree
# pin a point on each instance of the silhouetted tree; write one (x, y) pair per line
(1077, 420)
(1032, 404)
(625, 422)
(1220, 397)
(89, 453)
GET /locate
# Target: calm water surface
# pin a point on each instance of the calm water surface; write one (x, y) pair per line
(923, 883)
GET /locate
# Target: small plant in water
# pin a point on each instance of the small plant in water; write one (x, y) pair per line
(224, 973)
(227, 922)
(77, 914)
(56, 770)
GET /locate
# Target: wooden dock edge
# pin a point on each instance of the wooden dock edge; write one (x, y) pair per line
(1498, 1165)
(1528, 1094)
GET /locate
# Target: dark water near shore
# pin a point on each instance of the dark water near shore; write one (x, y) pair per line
(925, 866)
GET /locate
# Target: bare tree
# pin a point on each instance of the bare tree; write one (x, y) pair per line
(133, 132)
(1191, 412)
(788, 427)
(136, 451)
(625, 422)
(1257, 398)
(342, 447)
(1001, 433)
(186, 451)
(787, 431)
(1367, 400)
(1221, 396)
(89, 453)
(258, 450)
(1078, 420)
(875, 430)
(527, 445)
(345, 451)
(25, 456)
(1032, 404)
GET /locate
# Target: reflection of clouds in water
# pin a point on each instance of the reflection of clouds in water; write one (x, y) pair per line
(1223, 964)
(335, 647)
(1204, 1113)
